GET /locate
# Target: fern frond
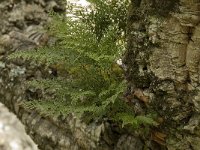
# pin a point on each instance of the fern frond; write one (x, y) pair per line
(130, 119)
(46, 83)
(43, 55)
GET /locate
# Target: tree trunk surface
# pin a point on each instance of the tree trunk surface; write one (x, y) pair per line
(162, 61)
(12, 132)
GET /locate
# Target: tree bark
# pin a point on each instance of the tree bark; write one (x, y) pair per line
(162, 60)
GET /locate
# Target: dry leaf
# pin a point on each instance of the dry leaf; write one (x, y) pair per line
(139, 94)
(158, 137)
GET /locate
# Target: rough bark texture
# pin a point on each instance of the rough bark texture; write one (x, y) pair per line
(12, 132)
(162, 60)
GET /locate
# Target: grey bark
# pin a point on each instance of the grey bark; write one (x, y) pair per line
(12, 132)
(163, 61)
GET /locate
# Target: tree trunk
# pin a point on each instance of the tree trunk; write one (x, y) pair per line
(162, 60)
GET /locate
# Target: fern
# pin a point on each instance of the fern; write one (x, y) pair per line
(46, 84)
(130, 119)
(42, 55)
(92, 83)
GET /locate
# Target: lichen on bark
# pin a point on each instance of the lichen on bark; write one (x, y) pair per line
(162, 60)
